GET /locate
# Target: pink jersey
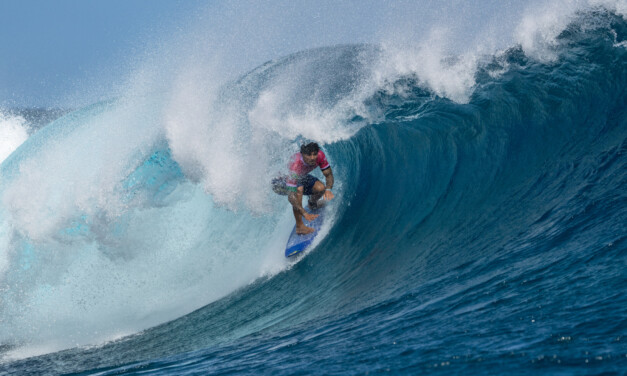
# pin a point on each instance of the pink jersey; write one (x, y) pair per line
(298, 169)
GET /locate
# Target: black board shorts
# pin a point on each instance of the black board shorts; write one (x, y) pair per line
(279, 185)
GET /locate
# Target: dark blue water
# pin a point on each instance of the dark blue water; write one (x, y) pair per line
(487, 237)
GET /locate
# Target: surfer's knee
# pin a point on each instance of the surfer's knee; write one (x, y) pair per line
(318, 187)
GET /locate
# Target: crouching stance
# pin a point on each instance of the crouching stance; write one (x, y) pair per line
(299, 182)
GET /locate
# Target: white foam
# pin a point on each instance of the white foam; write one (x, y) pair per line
(432, 64)
(540, 26)
(207, 140)
(272, 113)
(542, 23)
(13, 132)
(617, 6)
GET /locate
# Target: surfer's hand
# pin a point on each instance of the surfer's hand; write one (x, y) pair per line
(328, 195)
(310, 217)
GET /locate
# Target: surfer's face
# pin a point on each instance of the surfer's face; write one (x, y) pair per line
(310, 159)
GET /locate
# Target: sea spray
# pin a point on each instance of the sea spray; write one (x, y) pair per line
(13, 132)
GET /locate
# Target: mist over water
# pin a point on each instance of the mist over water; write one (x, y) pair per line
(136, 211)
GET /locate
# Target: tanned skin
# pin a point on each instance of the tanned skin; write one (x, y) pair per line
(319, 191)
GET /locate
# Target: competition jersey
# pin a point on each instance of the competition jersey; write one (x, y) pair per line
(298, 169)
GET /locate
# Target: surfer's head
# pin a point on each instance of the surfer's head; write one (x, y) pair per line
(310, 148)
(310, 153)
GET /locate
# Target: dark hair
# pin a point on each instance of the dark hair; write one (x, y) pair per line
(309, 148)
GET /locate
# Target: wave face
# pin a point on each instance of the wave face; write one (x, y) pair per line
(481, 235)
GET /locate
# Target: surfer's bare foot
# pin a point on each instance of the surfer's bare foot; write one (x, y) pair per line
(304, 230)
(310, 217)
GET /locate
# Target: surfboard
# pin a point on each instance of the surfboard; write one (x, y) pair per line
(298, 243)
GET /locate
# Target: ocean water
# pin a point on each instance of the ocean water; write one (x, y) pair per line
(479, 225)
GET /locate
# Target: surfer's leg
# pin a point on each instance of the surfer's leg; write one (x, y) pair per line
(316, 193)
(300, 226)
(313, 188)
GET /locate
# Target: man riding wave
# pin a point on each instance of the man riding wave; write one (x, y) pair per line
(299, 182)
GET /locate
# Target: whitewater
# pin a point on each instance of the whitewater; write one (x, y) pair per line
(479, 225)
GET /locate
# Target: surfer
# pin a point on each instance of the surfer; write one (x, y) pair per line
(299, 182)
